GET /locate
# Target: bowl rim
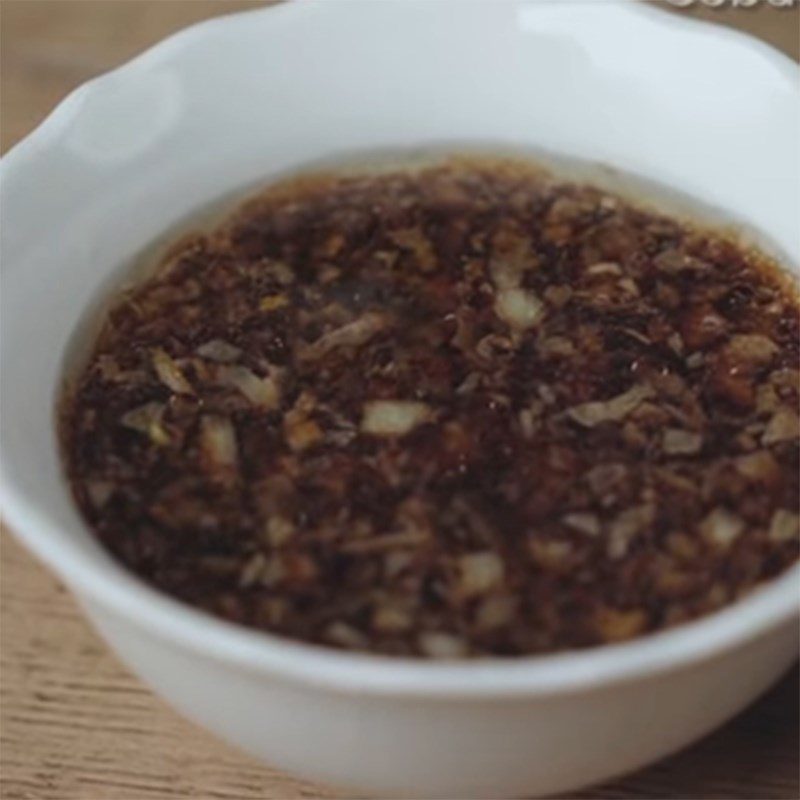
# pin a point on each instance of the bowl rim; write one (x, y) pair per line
(112, 588)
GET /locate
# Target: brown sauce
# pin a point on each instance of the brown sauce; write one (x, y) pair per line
(464, 410)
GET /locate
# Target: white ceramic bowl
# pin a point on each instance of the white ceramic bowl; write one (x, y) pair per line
(127, 156)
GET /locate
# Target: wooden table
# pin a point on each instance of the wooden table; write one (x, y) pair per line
(75, 724)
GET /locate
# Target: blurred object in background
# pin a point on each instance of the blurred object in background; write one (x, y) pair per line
(775, 23)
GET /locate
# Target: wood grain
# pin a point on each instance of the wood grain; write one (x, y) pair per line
(77, 725)
(74, 723)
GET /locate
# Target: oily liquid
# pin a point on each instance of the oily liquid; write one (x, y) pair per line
(462, 409)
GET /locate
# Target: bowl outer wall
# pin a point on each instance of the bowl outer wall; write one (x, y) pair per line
(145, 145)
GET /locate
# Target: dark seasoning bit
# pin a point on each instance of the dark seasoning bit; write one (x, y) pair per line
(465, 410)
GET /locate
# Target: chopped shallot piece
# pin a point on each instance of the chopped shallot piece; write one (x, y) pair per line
(303, 433)
(613, 410)
(681, 443)
(495, 612)
(605, 478)
(751, 348)
(218, 442)
(442, 645)
(785, 526)
(353, 334)
(252, 570)
(261, 392)
(219, 350)
(390, 619)
(300, 430)
(147, 419)
(615, 625)
(759, 466)
(629, 285)
(169, 373)
(272, 302)
(627, 526)
(675, 341)
(783, 427)
(480, 572)
(604, 268)
(583, 522)
(520, 308)
(721, 527)
(279, 530)
(414, 239)
(393, 417)
(552, 555)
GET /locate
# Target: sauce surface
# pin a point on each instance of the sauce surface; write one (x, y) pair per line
(461, 410)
